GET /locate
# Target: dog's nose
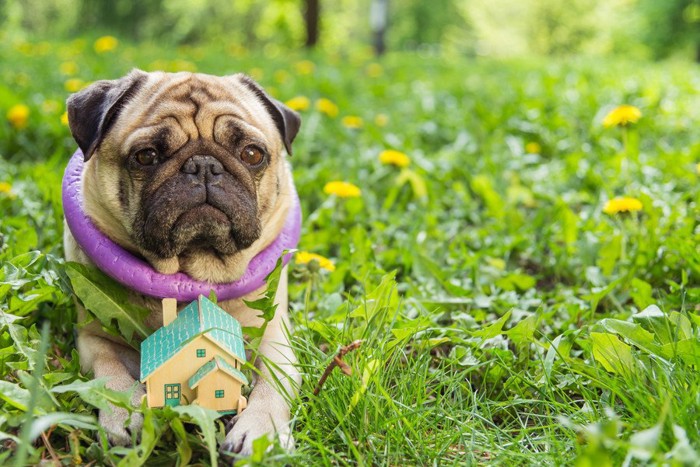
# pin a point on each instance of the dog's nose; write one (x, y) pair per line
(206, 167)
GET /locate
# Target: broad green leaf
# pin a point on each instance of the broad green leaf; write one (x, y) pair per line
(635, 334)
(641, 292)
(524, 331)
(494, 329)
(108, 302)
(569, 227)
(44, 422)
(95, 393)
(204, 418)
(517, 281)
(668, 328)
(612, 353)
(14, 395)
(483, 187)
(384, 297)
(609, 254)
(266, 303)
(150, 435)
(418, 186)
(182, 445)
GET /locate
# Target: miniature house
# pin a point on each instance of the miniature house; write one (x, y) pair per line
(195, 358)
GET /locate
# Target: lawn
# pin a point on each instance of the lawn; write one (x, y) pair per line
(509, 313)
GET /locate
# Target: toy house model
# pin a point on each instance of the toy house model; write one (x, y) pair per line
(195, 358)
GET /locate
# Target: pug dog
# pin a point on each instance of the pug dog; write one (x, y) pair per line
(189, 172)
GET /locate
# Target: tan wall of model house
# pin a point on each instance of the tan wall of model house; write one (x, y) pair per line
(219, 381)
(180, 367)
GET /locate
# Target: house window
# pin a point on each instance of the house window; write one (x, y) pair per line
(201, 353)
(219, 393)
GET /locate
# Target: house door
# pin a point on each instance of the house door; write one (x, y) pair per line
(172, 394)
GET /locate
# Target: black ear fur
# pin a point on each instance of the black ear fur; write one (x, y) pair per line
(92, 111)
(286, 120)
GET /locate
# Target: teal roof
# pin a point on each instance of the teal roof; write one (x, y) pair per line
(214, 364)
(201, 317)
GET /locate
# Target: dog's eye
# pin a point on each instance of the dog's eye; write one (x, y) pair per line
(252, 155)
(146, 156)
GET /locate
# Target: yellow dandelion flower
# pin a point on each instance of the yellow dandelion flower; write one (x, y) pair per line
(622, 116)
(18, 116)
(622, 204)
(381, 120)
(352, 122)
(326, 106)
(533, 148)
(342, 189)
(68, 68)
(393, 157)
(73, 85)
(64, 119)
(374, 70)
(697, 168)
(305, 67)
(298, 103)
(105, 44)
(5, 187)
(304, 257)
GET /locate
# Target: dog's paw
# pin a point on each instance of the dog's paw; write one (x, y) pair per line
(251, 424)
(119, 424)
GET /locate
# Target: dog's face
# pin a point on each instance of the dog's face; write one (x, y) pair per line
(186, 169)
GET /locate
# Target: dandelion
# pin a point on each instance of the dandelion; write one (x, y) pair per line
(393, 157)
(64, 119)
(697, 168)
(298, 103)
(533, 148)
(342, 189)
(73, 85)
(305, 67)
(18, 116)
(352, 122)
(5, 187)
(622, 116)
(622, 204)
(374, 70)
(68, 68)
(304, 257)
(326, 106)
(381, 120)
(105, 44)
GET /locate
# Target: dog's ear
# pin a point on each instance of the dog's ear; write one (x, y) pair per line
(286, 120)
(92, 111)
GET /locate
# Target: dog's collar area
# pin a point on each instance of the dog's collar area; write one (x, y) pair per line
(138, 275)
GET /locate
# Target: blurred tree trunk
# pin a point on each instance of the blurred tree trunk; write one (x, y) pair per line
(312, 12)
(379, 20)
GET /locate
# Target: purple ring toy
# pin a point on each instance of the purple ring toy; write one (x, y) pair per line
(138, 275)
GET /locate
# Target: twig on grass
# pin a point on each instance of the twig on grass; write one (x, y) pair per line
(52, 452)
(337, 362)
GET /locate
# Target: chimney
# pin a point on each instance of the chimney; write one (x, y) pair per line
(169, 310)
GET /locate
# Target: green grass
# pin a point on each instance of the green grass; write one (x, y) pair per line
(498, 304)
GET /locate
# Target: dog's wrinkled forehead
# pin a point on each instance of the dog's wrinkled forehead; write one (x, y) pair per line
(190, 105)
(184, 107)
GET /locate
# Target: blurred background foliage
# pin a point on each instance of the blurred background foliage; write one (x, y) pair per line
(633, 28)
